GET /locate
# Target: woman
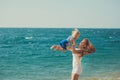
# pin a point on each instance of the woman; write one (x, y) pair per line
(84, 48)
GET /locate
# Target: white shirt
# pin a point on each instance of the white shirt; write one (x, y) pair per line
(77, 68)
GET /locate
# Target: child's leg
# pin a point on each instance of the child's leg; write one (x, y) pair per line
(69, 48)
(57, 47)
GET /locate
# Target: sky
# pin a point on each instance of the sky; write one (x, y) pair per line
(60, 13)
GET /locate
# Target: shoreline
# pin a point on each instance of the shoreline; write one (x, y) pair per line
(104, 76)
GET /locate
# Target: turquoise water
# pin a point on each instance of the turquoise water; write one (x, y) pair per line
(25, 54)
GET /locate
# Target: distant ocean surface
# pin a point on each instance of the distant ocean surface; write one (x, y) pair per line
(25, 54)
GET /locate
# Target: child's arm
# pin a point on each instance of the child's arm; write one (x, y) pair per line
(75, 51)
(74, 42)
(71, 48)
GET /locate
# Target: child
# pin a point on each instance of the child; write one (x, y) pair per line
(65, 44)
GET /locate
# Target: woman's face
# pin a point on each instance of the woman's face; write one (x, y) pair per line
(83, 44)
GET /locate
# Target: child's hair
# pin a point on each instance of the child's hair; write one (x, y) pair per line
(75, 33)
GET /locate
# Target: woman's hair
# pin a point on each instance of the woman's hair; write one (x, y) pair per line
(86, 45)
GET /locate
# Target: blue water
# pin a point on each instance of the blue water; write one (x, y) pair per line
(25, 53)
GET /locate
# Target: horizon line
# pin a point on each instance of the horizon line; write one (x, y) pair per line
(69, 27)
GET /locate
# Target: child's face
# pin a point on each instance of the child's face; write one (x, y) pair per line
(77, 35)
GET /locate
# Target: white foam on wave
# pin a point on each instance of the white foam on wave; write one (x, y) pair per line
(29, 37)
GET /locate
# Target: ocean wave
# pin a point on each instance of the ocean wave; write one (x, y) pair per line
(29, 37)
(6, 46)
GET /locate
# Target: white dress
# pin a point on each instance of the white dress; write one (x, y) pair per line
(77, 67)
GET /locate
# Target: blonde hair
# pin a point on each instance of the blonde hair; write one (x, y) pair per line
(75, 33)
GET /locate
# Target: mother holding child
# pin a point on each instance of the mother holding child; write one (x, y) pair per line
(85, 47)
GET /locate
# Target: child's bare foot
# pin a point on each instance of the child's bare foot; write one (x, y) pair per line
(52, 47)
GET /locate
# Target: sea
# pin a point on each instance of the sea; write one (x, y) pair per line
(25, 54)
